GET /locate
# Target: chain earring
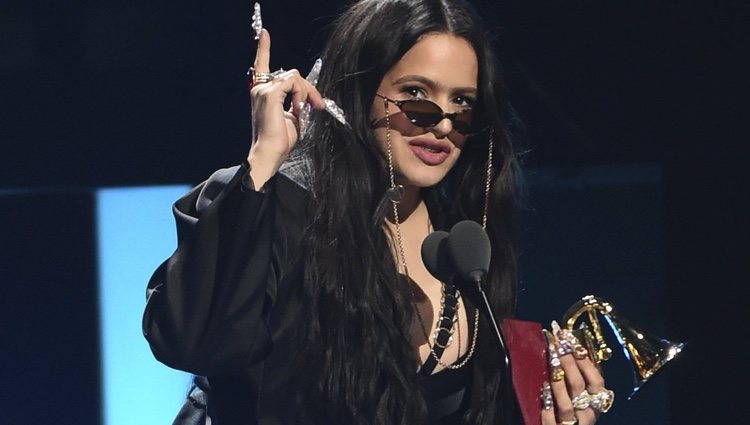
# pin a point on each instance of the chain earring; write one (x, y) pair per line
(488, 178)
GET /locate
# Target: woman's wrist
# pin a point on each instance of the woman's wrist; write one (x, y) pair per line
(262, 165)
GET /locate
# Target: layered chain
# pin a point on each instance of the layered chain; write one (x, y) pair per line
(394, 195)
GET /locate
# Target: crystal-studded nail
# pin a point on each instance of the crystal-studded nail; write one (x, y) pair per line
(306, 110)
(335, 111)
(547, 402)
(312, 76)
(554, 361)
(566, 339)
(257, 23)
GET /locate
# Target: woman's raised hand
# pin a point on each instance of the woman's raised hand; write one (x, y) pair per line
(275, 130)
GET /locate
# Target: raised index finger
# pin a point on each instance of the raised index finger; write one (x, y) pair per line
(263, 53)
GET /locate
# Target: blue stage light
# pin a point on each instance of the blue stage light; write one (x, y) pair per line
(135, 233)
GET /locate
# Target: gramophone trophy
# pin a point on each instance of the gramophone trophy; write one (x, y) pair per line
(646, 353)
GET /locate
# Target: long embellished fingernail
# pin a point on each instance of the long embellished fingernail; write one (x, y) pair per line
(335, 111)
(566, 339)
(330, 106)
(554, 362)
(257, 23)
(305, 108)
(304, 117)
(312, 76)
(547, 402)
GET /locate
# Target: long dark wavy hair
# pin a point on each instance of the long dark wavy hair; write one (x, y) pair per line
(359, 363)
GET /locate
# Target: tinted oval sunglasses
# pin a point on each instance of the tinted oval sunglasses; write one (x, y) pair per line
(426, 113)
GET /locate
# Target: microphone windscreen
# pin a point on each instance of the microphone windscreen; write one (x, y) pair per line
(470, 249)
(436, 257)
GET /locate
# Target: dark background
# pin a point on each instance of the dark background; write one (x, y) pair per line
(636, 130)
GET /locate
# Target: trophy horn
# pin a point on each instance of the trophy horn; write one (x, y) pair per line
(647, 353)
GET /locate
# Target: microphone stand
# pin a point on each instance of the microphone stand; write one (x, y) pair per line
(484, 307)
(510, 400)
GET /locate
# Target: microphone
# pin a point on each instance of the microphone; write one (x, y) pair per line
(436, 256)
(462, 257)
(470, 249)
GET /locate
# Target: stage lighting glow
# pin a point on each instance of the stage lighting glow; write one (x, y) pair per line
(135, 233)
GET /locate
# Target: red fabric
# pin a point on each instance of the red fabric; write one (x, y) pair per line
(529, 368)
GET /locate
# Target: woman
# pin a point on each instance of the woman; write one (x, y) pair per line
(298, 289)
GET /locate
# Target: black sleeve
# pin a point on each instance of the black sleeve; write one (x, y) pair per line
(206, 309)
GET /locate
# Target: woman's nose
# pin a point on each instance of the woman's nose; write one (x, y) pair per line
(443, 128)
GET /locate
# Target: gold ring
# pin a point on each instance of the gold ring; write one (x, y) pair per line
(579, 352)
(558, 374)
(262, 77)
(582, 401)
(602, 401)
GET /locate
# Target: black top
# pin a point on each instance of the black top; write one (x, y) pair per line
(222, 306)
(447, 394)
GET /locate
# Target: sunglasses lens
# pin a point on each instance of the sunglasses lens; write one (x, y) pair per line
(424, 113)
(462, 122)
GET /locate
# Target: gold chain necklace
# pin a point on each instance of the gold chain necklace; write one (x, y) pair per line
(395, 194)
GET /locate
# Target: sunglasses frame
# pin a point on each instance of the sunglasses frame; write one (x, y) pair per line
(442, 114)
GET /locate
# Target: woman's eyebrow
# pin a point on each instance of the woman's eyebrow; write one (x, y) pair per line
(434, 84)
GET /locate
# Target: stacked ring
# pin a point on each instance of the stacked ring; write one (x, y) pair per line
(602, 401)
(262, 77)
(582, 401)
